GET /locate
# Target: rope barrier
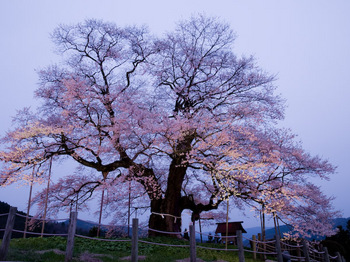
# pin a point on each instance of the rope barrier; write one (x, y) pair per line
(203, 234)
(41, 219)
(162, 215)
(228, 236)
(257, 241)
(267, 242)
(316, 251)
(160, 244)
(17, 214)
(300, 259)
(103, 239)
(164, 232)
(5, 214)
(296, 257)
(44, 234)
(282, 243)
(217, 249)
(264, 253)
(215, 236)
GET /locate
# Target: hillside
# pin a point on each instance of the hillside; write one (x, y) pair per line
(83, 227)
(270, 232)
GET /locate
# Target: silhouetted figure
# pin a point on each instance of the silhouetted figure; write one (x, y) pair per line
(210, 238)
(217, 238)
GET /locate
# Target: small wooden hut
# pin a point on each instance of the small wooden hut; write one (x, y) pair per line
(232, 228)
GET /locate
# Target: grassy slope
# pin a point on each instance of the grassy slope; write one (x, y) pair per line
(29, 250)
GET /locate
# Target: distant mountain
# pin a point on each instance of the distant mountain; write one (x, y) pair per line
(270, 232)
(85, 225)
(86, 228)
(255, 231)
(341, 222)
(19, 221)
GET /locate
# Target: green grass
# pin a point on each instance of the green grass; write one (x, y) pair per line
(54, 247)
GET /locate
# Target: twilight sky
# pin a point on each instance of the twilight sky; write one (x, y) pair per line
(305, 43)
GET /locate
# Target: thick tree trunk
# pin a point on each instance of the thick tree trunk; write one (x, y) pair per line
(166, 212)
(164, 217)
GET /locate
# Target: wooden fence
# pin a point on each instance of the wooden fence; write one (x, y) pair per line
(280, 250)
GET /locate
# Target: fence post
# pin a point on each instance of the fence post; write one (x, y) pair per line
(240, 246)
(278, 248)
(254, 247)
(260, 246)
(8, 232)
(325, 255)
(264, 247)
(306, 250)
(298, 252)
(192, 244)
(70, 238)
(134, 240)
(339, 258)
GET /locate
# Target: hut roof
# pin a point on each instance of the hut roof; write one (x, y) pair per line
(232, 227)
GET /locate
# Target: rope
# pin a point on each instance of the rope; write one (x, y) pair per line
(217, 249)
(17, 214)
(269, 246)
(291, 245)
(203, 234)
(316, 251)
(41, 219)
(162, 215)
(44, 234)
(257, 241)
(228, 236)
(265, 253)
(5, 214)
(164, 232)
(296, 257)
(299, 259)
(160, 244)
(103, 239)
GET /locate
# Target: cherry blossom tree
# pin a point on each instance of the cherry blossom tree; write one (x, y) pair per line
(274, 180)
(180, 115)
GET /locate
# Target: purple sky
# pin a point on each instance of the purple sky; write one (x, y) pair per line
(305, 43)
